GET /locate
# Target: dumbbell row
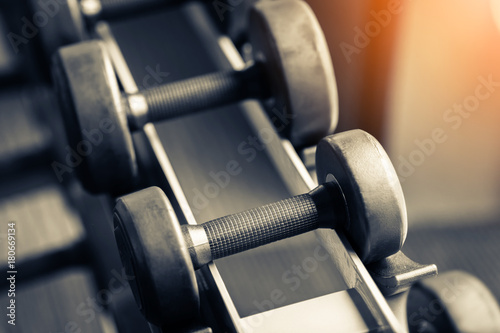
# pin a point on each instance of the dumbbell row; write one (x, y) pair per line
(359, 193)
(324, 207)
(292, 65)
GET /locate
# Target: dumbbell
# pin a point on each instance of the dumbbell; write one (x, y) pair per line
(453, 302)
(292, 66)
(69, 21)
(359, 193)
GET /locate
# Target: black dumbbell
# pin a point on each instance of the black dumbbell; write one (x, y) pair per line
(359, 193)
(292, 65)
(70, 21)
(453, 302)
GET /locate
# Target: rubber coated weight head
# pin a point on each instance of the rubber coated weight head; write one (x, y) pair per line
(153, 250)
(96, 124)
(378, 223)
(288, 39)
(64, 23)
(472, 307)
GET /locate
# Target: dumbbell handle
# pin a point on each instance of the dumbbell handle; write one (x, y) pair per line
(322, 207)
(184, 97)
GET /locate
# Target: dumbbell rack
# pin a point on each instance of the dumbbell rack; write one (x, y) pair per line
(314, 282)
(340, 294)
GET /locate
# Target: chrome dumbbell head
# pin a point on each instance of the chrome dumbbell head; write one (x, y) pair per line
(292, 66)
(360, 193)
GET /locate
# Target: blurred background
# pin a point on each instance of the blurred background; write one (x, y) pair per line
(424, 78)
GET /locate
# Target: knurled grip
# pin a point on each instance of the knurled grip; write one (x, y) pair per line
(263, 225)
(201, 93)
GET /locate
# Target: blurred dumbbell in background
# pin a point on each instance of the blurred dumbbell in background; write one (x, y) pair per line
(72, 21)
(291, 65)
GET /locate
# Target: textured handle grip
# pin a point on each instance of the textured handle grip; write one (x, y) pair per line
(201, 93)
(263, 225)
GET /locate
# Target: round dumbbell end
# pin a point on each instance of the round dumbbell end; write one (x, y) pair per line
(288, 39)
(465, 304)
(101, 149)
(153, 251)
(377, 224)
